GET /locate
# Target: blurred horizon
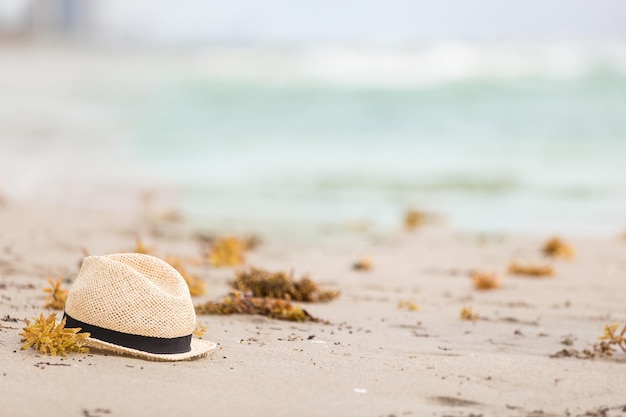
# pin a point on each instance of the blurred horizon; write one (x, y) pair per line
(496, 116)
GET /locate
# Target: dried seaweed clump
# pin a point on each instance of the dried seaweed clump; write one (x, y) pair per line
(196, 285)
(199, 330)
(238, 303)
(261, 283)
(574, 353)
(557, 248)
(531, 270)
(611, 340)
(56, 294)
(408, 305)
(363, 264)
(468, 314)
(251, 242)
(413, 219)
(141, 247)
(227, 251)
(46, 336)
(485, 280)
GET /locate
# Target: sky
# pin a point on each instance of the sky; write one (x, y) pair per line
(383, 21)
(360, 20)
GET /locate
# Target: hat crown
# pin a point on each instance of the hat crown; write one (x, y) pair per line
(132, 293)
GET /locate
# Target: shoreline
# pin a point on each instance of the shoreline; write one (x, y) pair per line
(373, 359)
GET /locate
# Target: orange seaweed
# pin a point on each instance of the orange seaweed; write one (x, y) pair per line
(531, 270)
(557, 248)
(485, 280)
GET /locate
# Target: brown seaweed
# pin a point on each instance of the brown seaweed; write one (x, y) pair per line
(199, 330)
(408, 305)
(468, 314)
(414, 219)
(227, 251)
(363, 264)
(485, 280)
(262, 283)
(239, 303)
(141, 247)
(610, 340)
(557, 248)
(56, 295)
(531, 270)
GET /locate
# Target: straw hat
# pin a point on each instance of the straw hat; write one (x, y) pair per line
(135, 304)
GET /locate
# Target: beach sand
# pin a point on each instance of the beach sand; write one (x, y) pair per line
(373, 359)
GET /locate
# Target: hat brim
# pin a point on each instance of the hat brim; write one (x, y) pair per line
(199, 349)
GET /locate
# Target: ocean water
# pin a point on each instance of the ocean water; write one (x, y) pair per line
(492, 137)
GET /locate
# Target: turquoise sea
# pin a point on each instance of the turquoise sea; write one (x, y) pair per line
(504, 137)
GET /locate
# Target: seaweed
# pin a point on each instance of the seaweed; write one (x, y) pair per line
(56, 295)
(574, 353)
(269, 294)
(251, 242)
(485, 280)
(141, 247)
(169, 215)
(227, 251)
(196, 285)
(557, 248)
(239, 303)
(531, 270)
(611, 340)
(48, 337)
(408, 305)
(413, 219)
(261, 283)
(363, 264)
(468, 314)
(199, 330)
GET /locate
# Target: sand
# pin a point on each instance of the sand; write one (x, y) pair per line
(374, 359)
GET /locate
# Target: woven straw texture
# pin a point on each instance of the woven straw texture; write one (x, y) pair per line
(137, 294)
